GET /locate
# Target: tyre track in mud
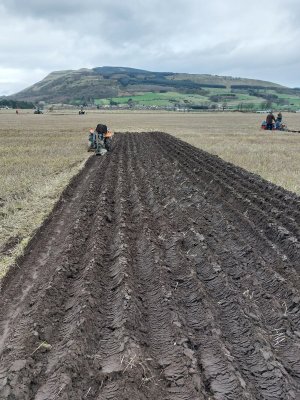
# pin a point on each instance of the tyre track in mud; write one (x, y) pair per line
(165, 273)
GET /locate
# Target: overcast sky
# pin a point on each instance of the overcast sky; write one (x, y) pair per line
(250, 39)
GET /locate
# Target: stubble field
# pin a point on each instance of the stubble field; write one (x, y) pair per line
(40, 153)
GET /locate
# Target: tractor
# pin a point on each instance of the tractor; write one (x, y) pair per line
(100, 139)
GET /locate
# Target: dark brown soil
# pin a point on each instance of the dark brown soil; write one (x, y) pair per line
(163, 273)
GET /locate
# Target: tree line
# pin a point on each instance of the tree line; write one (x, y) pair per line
(16, 104)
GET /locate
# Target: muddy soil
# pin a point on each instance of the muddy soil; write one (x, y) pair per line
(163, 273)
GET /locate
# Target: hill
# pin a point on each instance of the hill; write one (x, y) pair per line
(128, 86)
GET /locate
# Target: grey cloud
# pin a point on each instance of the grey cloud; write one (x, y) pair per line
(47, 8)
(194, 36)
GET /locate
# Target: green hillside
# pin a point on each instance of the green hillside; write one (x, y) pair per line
(135, 88)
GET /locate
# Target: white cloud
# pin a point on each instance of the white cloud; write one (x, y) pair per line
(256, 39)
(13, 80)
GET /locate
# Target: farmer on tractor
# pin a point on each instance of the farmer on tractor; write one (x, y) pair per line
(100, 139)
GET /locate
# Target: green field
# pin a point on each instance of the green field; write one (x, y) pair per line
(213, 98)
(155, 99)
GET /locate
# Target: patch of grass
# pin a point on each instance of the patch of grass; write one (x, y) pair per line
(38, 156)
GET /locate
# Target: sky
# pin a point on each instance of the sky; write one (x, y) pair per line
(251, 39)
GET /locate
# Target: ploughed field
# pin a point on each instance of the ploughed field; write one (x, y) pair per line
(163, 273)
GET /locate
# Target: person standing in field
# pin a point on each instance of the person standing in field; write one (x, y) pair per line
(270, 118)
(279, 117)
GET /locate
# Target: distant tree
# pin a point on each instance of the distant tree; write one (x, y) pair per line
(269, 97)
(281, 102)
(130, 102)
(16, 104)
(253, 92)
(265, 105)
(214, 98)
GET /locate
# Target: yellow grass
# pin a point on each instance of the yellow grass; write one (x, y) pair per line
(38, 156)
(40, 153)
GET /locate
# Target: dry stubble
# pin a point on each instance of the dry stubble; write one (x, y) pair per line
(40, 153)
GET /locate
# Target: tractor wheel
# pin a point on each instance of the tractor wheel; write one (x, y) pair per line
(107, 144)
